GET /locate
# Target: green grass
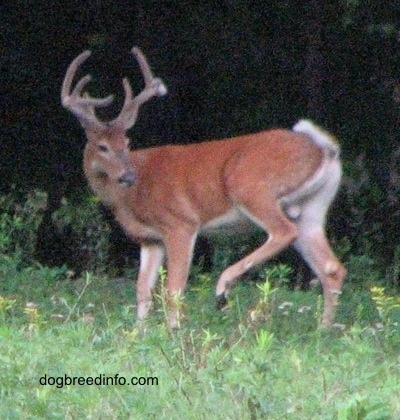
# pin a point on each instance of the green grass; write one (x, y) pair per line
(263, 358)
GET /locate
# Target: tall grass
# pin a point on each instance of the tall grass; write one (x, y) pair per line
(262, 358)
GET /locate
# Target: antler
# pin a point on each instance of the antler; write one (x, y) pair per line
(153, 87)
(83, 106)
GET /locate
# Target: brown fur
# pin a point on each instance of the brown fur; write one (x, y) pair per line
(180, 189)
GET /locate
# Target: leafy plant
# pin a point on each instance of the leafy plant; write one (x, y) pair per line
(385, 304)
(278, 274)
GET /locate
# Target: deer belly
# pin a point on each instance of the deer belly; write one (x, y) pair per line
(231, 222)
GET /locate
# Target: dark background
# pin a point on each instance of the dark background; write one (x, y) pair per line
(231, 67)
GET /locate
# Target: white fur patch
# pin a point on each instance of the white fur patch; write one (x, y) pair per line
(331, 268)
(293, 211)
(318, 136)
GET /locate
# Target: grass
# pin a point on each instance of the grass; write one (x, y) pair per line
(263, 358)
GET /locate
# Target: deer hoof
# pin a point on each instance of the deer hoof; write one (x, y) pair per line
(221, 302)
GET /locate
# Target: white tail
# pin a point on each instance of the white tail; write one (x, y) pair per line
(320, 137)
(280, 180)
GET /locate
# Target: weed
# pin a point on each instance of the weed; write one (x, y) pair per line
(278, 274)
(263, 308)
(359, 408)
(6, 304)
(72, 308)
(264, 340)
(384, 304)
(33, 316)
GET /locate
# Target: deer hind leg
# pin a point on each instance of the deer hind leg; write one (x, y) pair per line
(179, 245)
(316, 251)
(281, 233)
(151, 259)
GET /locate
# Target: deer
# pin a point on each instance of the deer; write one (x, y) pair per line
(279, 180)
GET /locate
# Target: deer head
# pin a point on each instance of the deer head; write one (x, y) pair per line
(107, 149)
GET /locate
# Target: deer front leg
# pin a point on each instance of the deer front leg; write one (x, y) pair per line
(151, 259)
(179, 246)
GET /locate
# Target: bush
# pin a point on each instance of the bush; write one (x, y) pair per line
(73, 235)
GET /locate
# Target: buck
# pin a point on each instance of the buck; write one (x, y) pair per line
(282, 181)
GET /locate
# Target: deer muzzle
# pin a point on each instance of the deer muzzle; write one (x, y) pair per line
(127, 179)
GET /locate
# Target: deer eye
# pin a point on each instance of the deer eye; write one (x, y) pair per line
(103, 148)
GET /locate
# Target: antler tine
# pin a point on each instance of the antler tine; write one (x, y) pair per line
(128, 92)
(149, 80)
(129, 112)
(144, 65)
(153, 87)
(86, 99)
(70, 74)
(81, 105)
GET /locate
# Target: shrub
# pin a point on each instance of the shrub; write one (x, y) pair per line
(73, 235)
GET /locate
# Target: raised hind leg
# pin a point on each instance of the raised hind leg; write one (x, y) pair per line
(282, 232)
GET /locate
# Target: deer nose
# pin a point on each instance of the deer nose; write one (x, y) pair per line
(127, 179)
